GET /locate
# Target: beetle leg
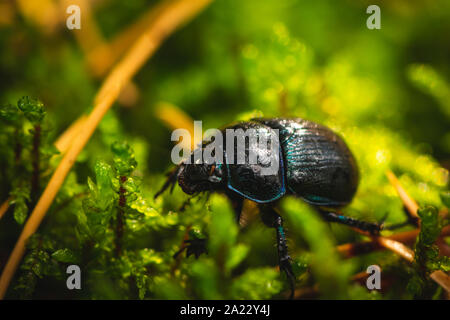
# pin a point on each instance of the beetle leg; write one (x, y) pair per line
(272, 219)
(237, 202)
(193, 246)
(283, 256)
(397, 225)
(410, 220)
(237, 206)
(373, 228)
(170, 181)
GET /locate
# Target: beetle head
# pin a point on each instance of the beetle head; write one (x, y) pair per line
(194, 178)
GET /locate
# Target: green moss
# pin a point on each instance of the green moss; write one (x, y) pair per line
(426, 258)
(385, 91)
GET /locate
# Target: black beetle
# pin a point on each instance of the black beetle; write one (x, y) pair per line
(315, 164)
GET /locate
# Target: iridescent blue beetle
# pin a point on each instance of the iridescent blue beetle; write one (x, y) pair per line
(315, 165)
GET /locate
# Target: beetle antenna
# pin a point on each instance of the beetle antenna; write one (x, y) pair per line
(171, 180)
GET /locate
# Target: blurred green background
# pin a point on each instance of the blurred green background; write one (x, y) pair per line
(387, 92)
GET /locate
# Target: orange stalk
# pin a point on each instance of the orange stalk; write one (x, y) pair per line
(409, 202)
(165, 23)
(441, 278)
(4, 207)
(104, 55)
(349, 250)
(396, 246)
(399, 248)
(91, 40)
(7, 12)
(175, 118)
(43, 12)
(65, 139)
(89, 36)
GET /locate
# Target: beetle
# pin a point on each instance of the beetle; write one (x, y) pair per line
(314, 164)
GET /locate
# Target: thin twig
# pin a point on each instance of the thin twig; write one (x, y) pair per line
(105, 55)
(66, 138)
(438, 276)
(88, 36)
(406, 253)
(166, 23)
(349, 250)
(90, 39)
(399, 248)
(392, 243)
(396, 247)
(4, 207)
(408, 202)
(441, 278)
